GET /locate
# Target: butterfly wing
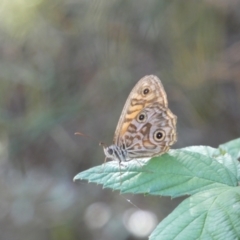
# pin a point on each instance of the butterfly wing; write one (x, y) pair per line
(153, 136)
(137, 100)
(156, 132)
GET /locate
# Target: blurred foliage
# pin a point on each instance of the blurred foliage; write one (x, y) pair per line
(68, 66)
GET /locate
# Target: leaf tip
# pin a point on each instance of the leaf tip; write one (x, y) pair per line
(76, 178)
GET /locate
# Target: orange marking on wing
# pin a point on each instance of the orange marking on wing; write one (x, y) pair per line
(129, 118)
(134, 109)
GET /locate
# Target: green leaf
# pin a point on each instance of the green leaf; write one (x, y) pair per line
(176, 173)
(212, 214)
(205, 150)
(232, 147)
(224, 158)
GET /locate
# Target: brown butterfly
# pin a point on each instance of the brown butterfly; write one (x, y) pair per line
(146, 127)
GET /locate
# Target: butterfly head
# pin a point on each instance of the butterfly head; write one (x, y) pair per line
(109, 152)
(114, 152)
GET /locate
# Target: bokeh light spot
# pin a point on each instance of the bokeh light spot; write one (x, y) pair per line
(97, 215)
(139, 223)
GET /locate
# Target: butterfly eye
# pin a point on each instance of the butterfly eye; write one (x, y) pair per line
(142, 117)
(145, 91)
(158, 135)
(110, 151)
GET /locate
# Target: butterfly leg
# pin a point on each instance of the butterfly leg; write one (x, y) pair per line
(120, 176)
(103, 165)
(143, 166)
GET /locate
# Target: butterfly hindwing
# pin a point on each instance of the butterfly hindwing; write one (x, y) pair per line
(151, 136)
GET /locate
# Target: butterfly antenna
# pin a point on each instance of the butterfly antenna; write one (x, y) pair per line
(85, 135)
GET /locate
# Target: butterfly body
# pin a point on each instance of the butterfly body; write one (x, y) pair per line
(146, 127)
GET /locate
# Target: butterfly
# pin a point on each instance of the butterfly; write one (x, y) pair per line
(146, 127)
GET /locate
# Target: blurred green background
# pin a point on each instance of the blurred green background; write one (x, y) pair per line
(69, 65)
